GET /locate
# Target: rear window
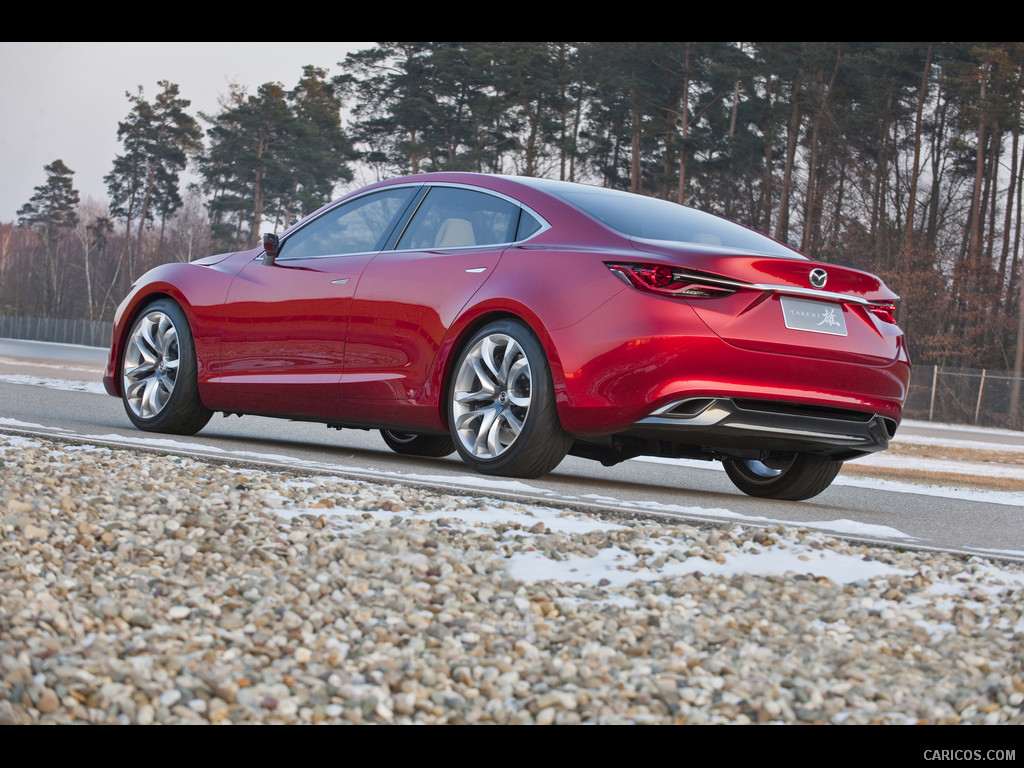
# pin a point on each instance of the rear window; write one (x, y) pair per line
(653, 219)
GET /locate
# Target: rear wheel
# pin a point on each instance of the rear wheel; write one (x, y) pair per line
(501, 400)
(159, 385)
(792, 478)
(411, 444)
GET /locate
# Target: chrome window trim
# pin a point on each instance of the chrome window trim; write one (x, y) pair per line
(344, 201)
(324, 256)
(501, 196)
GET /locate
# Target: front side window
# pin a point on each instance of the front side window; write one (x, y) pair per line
(452, 217)
(359, 226)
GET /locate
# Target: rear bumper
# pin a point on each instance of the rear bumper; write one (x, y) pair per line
(739, 428)
(735, 426)
(627, 369)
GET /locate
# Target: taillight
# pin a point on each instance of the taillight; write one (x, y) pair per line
(672, 281)
(883, 310)
(654, 275)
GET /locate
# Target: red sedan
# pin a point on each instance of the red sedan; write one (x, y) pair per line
(516, 320)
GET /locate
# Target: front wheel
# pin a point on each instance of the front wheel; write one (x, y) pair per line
(501, 402)
(159, 385)
(411, 444)
(795, 477)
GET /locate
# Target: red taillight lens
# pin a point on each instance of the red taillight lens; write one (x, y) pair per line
(884, 310)
(655, 275)
(672, 281)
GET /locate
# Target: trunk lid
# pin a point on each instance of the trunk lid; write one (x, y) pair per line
(792, 306)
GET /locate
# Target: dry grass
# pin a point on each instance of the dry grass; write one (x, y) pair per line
(1009, 459)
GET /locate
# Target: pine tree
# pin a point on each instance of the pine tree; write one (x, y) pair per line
(276, 154)
(52, 212)
(158, 139)
(54, 205)
(317, 151)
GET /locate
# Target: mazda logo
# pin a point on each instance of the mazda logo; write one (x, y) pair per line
(818, 278)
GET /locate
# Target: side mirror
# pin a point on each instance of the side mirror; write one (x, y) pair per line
(271, 246)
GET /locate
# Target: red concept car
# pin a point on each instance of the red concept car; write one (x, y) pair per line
(516, 320)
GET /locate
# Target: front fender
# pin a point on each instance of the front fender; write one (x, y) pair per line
(198, 288)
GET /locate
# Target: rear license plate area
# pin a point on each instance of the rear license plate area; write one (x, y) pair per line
(813, 316)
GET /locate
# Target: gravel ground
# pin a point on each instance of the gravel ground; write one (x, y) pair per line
(140, 588)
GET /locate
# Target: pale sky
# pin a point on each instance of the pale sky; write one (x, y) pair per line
(64, 100)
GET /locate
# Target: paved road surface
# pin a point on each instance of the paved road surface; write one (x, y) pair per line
(984, 523)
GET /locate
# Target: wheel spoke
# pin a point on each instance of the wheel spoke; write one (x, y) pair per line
(140, 371)
(488, 384)
(513, 354)
(494, 446)
(167, 337)
(514, 425)
(156, 394)
(518, 385)
(484, 444)
(486, 353)
(464, 420)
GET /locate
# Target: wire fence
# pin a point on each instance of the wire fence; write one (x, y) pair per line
(89, 333)
(950, 395)
(965, 396)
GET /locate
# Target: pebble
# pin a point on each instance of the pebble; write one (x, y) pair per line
(140, 588)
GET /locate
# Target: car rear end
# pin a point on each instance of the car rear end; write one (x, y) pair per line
(717, 353)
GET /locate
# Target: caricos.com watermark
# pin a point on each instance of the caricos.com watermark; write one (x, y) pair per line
(970, 754)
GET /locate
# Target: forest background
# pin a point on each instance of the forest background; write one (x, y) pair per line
(900, 158)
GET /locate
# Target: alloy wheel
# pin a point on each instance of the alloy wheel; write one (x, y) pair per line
(492, 395)
(151, 361)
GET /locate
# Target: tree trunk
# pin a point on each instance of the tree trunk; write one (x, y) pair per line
(258, 192)
(150, 181)
(634, 161)
(684, 127)
(782, 222)
(909, 236)
(813, 202)
(769, 140)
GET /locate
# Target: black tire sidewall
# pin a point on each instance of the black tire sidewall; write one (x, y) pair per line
(806, 477)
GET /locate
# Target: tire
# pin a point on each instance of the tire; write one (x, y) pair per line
(502, 413)
(410, 444)
(159, 386)
(798, 477)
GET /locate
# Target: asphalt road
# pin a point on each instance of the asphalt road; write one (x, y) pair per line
(691, 490)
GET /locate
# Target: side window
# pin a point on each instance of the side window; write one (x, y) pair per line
(451, 217)
(359, 226)
(528, 226)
